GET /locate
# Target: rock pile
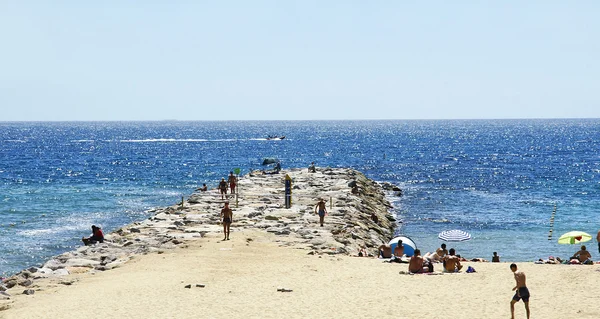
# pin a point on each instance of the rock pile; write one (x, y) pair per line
(354, 222)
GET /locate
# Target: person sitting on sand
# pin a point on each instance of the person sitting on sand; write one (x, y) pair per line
(363, 252)
(398, 253)
(495, 257)
(227, 219)
(312, 168)
(96, 237)
(417, 263)
(203, 188)
(583, 256)
(452, 262)
(355, 190)
(223, 188)
(385, 251)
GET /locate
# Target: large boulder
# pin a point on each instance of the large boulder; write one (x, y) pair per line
(269, 160)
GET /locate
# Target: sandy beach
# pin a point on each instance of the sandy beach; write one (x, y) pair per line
(242, 277)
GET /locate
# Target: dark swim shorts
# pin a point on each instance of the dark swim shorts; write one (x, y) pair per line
(522, 293)
(226, 220)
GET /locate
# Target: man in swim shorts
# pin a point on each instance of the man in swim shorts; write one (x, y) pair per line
(322, 210)
(522, 291)
(223, 188)
(417, 264)
(452, 262)
(232, 182)
(227, 219)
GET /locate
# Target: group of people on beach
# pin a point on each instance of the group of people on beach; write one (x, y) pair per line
(423, 264)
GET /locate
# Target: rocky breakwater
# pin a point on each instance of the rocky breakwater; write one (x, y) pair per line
(355, 221)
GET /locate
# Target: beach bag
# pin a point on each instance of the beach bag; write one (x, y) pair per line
(470, 269)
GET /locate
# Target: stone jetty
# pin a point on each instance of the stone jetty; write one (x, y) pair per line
(355, 221)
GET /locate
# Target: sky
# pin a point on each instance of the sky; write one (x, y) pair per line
(298, 60)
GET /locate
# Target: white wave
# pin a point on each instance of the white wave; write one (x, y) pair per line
(82, 141)
(154, 140)
(50, 231)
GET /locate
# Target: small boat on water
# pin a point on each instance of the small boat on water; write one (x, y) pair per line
(275, 137)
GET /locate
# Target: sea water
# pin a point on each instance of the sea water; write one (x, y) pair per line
(499, 180)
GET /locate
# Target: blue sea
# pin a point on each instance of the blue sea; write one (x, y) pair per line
(499, 180)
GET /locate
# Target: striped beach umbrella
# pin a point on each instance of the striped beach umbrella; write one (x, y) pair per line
(454, 235)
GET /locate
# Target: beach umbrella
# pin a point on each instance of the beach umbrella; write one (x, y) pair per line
(454, 235)
(408, 244)
(574, 237)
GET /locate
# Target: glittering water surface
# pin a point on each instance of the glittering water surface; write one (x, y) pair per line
(497, 179)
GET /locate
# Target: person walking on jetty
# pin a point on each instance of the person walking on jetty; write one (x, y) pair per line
(223, 188)
(226, 219)
(521, 291)
(232, 182)
(322, 210)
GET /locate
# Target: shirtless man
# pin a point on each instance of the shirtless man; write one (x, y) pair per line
(385, 251)
(583, 255)
(399, 249)
(322, 210)
(223, 188)
(452, 262)
(416, 264)
(398, 253)
(227, 219)
(522, 291)
(232, 182)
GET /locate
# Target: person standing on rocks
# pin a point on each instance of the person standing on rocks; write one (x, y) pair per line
(232, 182)
(322, 210)
(226, 219)
(223, 188)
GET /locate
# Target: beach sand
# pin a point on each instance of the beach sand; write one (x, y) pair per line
(241, 277)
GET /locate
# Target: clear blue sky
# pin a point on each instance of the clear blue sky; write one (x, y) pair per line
(298, 60)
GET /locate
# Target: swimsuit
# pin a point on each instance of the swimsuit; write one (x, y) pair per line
(322, 212)
(226, 220)
(522, 293)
